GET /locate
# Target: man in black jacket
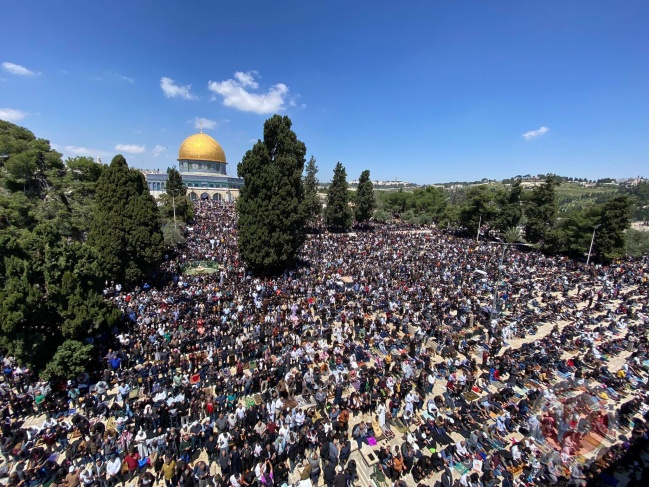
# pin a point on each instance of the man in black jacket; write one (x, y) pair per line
(329, 474)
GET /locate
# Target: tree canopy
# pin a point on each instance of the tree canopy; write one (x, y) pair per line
(125, 229)
(312, 204)
(338, 214)
(365, 202)
(50, 281)
(271, 204)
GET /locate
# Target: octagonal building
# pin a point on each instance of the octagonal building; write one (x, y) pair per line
(203, 167)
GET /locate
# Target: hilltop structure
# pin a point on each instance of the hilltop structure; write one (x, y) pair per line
(203, 167)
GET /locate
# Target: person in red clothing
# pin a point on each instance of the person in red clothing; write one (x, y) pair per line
(131, 460)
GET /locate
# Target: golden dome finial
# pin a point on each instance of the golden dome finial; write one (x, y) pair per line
(201, 123)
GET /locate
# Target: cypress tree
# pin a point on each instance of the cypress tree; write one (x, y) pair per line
(338, 214)
(175, 201)
(365, 200)
(312, 205)
(270, 206)
(175, 184)
(125, 229)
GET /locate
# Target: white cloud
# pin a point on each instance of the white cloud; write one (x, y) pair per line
(17, 69)
(82, 151)
(204, 123)
(247, 79)
(158, 150)
(535, 133)
(131, 148)
(172, 90)
(125, 78)
(235, 95)
(11, 114)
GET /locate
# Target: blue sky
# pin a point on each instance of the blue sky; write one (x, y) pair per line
(424, 91)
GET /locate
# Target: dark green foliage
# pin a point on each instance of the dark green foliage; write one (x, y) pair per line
(312, 203)
(270, 206)
(541, 210)
(637, 242)
(511, 207)
(125, 229)
(172, 235)
(365, 202)
(480, 207)
(639, 195)
(175, 184)
(175, 202)
(71, 359)
(50, 286)
(512, 235)
(574, 231)
(338, 214)
(84, 168)
(613, 222)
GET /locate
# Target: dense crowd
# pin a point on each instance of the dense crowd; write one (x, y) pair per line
(221, 378)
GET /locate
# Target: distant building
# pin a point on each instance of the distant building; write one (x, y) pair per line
(203, 167)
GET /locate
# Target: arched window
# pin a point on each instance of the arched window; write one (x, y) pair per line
(205, 196)
(193, 196)
(217, 197)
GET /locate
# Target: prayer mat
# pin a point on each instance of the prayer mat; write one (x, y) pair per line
(250, 401)
(258, 400)
(357, 385)
(470, 396)
(399, 425)
(416, 420)
(387, 431)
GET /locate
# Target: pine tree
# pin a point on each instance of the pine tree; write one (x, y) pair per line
(541, 211)
(175, 185)
(125, 229)
(270, 206)
(312, 204)
(615, 219)
(338, 214)
(175, 204)
(365, 203)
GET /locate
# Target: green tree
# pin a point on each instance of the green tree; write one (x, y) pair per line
(615, 219)
(338, 213)
(480, 207)
(513, 235)
(637, 242)
(541, 210)
(271, 210)
(175, 185)
(511, 207)
(125, 229)
(71, 359)
(312, 203)
(84, 168)
(51, 283)
(365, 202)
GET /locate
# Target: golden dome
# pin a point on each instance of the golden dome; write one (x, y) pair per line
(201, 147)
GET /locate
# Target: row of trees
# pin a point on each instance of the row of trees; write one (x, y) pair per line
(535, 211)
(277, 203)
(65, 230)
